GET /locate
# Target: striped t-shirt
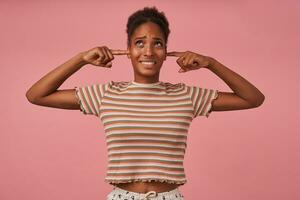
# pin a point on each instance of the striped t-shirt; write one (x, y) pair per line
(146, 126)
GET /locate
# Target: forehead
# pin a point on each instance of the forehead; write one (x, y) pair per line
(148, 30)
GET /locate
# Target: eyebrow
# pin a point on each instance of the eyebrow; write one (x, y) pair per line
(156, 38)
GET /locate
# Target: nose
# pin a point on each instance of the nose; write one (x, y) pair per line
(148, 50)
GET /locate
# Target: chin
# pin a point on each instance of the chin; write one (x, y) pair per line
(148, 72)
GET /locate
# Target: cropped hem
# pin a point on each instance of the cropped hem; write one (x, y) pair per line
(182, 182)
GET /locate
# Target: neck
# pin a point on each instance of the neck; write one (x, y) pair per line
(146, 79)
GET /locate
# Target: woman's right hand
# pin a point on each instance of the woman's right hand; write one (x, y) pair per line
(101, 56)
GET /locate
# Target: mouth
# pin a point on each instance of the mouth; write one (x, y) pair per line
(148, 62)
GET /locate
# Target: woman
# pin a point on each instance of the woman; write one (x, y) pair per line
(145, 120)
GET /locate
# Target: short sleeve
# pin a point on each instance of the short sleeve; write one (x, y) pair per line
(89, 97)
(202, 99)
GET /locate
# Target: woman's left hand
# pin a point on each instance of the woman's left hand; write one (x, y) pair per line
(190, 61)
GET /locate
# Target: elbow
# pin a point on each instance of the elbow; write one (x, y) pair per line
(30, 98)
(258, 101)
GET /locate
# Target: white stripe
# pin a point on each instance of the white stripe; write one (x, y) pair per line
(144, 125)
(146, 164)
(148, 158)
(148, 144)
(147, 138)
(116, 113)
(157, 95)
(143, 119)
(147, 108)
(143, 164)
(145, 151)
(146, 131)
(123, 97)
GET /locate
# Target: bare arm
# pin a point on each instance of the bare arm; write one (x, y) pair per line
(244, 95)
(45, 91)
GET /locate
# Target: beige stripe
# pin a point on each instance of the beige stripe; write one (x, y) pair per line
(122, 123)
(143, 176)
(147, 174)
(143, 141)
(182, 150)
(132, 128)
(147, 106)
(182, 118)
(180, 169)
(121, 140)
(146, 171)
(140, 97)
(145, 144)
(202, 100)
(147, 158)
(139, 154)
(172, 113)
(164, 152)
(143, 93)
(155, 135)
(84, 101)
(207, 103)
(166, 132)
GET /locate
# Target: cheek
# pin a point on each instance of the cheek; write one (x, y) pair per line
(161, 54)
(134, 53)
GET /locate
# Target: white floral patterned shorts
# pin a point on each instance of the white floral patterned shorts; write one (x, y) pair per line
(121, 194)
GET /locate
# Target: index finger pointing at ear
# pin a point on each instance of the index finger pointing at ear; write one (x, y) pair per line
(175, 53)
(119, 52)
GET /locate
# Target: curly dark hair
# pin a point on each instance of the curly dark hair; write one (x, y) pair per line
(147, 14)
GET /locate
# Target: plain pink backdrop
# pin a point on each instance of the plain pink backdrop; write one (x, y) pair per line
(47, 153)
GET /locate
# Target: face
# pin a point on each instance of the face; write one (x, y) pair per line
(147, 51)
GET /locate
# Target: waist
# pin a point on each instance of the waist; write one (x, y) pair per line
(144, 187)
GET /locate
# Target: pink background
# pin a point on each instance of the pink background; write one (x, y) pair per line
(47, 153)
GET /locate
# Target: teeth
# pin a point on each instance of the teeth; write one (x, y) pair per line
(147, 63)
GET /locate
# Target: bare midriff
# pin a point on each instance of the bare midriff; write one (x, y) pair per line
(144, 187)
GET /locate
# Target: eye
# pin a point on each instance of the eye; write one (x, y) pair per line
(139, 43)
(158, 43)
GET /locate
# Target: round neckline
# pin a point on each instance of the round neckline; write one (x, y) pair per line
(145, 84)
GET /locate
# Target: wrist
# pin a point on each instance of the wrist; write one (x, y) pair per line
(211, 62)
(79, 59)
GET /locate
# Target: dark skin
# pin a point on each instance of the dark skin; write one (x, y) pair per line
(144, 45)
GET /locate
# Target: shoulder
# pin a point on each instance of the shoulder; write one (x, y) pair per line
(177, 87)
(112, 83)
(169, 84)
(117, 85)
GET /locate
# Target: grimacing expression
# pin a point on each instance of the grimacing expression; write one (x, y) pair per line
(147, 49)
